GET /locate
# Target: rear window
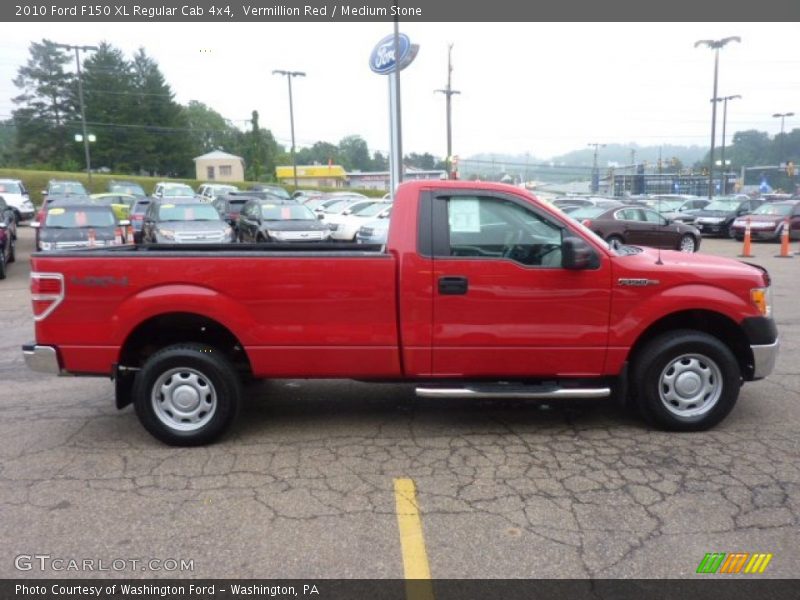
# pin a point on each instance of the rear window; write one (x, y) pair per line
(66, 188)
(778, 210)
(178, 190)
(140, 207)
(126, 188)
(79, 217)
(187, 212)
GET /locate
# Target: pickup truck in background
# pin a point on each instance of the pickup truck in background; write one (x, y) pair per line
(481, 291)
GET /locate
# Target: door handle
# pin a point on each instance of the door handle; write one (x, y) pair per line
(453, 286)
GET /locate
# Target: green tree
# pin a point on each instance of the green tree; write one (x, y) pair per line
(45, 108)
(354, 153)
(209, 130)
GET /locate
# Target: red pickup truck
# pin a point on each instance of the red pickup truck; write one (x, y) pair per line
(481, 291)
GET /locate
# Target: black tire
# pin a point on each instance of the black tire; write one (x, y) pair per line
(210, 370)
(730, 233)
(2, 264)
(615, 240)
(739, 237)
(654, 361)
(12, 251)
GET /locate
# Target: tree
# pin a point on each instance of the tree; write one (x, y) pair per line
(420, 161)
(45, 106)
(209, 130)
(379, 162)
(260, 151)
(354, 153)
(109, 101)
(160, 124)
(321, 153)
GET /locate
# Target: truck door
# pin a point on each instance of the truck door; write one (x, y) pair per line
(503, 305)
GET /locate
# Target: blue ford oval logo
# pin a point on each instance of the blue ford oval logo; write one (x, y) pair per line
(382, 60)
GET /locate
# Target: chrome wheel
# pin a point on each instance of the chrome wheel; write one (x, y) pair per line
(690, 385)
(687, 244)
(184, 399)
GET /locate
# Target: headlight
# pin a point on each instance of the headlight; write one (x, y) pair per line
(166, 233)
(45, 245)
(227, 232)
(762, 298)
(275, 235)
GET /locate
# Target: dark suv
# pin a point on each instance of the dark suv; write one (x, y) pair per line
(718, 216)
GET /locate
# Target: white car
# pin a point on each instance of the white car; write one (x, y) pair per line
(170, 190)
(209, 191)
(345, 225)
(16, 196)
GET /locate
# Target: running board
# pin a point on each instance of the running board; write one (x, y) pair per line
(533, 392)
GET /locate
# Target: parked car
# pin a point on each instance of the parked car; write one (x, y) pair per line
(211, 191)
(636, 225)
(184, 223)
(8, 236)
(67, 226)
(64, 187)
(120, 203)
(15, 194)
(280, 221)
(303, 196)
(345, 225)
(717, 217)
(138, 210)
(769, 219)
(229, 207)
(687, 211)
(342, 204)
(568, 203)
(275, 190)
(126, 187)
(172, 190)
(375, 231)
(317, 204)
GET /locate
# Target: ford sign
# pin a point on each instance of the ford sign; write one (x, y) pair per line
(382, 60)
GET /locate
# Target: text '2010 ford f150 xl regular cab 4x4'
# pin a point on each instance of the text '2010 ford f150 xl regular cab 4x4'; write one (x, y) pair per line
(480, 291)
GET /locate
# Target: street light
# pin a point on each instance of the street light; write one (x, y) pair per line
(449, 92)
(715, 45)
(724, 186)
(80, 99)
(289, 75)
(595, 174)
(782, 116)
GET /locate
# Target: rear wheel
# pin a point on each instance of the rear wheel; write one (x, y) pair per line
(685, 380)
(187, 394)
(687, 243)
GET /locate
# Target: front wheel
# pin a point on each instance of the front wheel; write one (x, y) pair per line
(187, 394)
(687, 243)
(685, 380)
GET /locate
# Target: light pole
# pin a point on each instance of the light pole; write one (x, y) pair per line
(782, 117)
(77, 50)
(724, 185)
(289, 75)
(449, 92)
(595, 174)
(715, 45)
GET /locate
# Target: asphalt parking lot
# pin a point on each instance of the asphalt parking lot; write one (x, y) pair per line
(304, 486)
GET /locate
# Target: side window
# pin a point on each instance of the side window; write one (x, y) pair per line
(486, 227)
(652, 217)
(628, 214)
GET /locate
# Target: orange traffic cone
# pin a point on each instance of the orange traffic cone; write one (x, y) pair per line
(786, 251)
(746, 248)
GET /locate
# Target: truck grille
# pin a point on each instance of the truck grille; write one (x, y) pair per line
(199, 237)
(302, 236)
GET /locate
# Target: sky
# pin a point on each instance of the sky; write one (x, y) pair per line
(538, 88)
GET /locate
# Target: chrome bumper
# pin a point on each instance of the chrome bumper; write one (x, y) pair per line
(43, 359)
(764, 358)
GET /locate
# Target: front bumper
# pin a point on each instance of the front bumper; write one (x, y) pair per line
(764, 358)
(43, 359)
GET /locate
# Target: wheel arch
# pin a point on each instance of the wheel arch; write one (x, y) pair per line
(713, 323)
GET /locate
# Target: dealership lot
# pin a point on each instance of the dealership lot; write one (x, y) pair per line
(304, 485)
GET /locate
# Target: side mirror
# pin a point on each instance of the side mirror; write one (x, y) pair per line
(124, 223)
(577, 254)
(347, 212)
(3, 225)
(320, 216)
(44, 192)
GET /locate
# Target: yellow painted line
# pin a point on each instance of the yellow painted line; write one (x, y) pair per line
(412, 542)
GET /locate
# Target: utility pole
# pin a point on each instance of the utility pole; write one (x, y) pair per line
(595, 174)
(77, 50)
(715, 45)
(449, 92)
(782, 116)
(289, 75)
(724, 185)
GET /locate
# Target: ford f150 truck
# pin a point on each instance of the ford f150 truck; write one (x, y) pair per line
(481, 291)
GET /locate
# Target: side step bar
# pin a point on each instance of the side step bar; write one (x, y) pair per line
(533, 392)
